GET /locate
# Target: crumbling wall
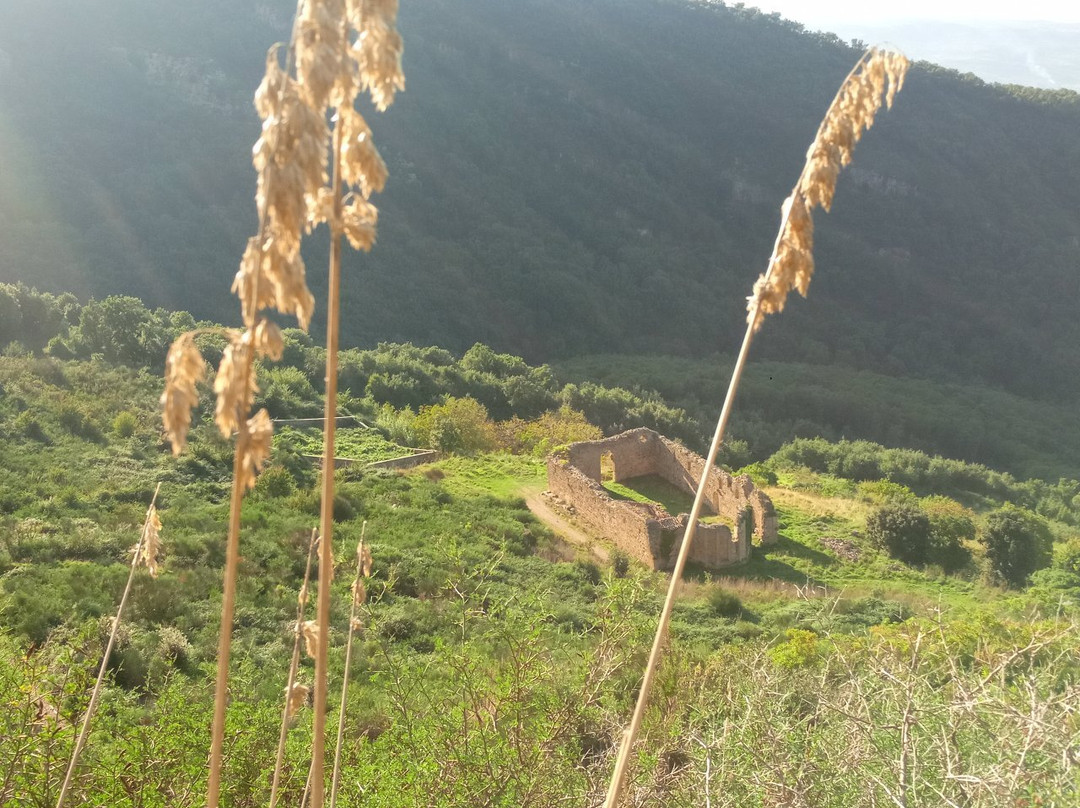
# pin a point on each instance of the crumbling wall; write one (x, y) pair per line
(647, 532)
(629, 521)
(633, 454)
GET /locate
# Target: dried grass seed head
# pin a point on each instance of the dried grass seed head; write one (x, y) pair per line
(361, 163)
(184, 369)
(150, 545)
(290, 157)
(310, 631)
(234, 384)
(272, 274)
(364, 551)
(255, 448)
(377, 49)
(359, 591)
(320, 49)
(297, 696)
(359, 221)
(877, 77)
(268, 340)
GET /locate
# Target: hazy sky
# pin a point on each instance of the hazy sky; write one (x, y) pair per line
(814, 12)
(1032, 42)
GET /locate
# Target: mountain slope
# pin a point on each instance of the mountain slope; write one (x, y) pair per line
(565, 178)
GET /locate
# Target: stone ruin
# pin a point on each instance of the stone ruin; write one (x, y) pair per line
(647, 532)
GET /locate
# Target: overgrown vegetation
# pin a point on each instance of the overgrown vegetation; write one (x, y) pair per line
(910, 606)
(457, 544)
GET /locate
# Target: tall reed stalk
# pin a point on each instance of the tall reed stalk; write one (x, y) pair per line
(877, 75)
(146, 551)
(323, 76)
(326, 547)
(359, 591)
(292, 693)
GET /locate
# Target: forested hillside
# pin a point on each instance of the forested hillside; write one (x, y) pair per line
(566, 178)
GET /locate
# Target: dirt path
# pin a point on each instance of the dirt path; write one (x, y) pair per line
(546, 514)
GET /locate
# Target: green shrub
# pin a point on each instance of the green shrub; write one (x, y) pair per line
(27, 423)
(275, 482)
(620, 564)
(78, 422)
(125, 424)
(760, 473)
(724, 603)
(902, 531)
(1018, 542)
(588, 571)
(1067, 556)
(800, 650)
(951, 524)
(458, 426)
(884, 492)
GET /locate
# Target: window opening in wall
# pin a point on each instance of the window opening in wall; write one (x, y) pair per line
(748, 525)
(607, 468)
(667, 543)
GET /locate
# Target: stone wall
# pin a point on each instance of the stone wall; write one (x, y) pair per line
(630, 521)
(647, 532)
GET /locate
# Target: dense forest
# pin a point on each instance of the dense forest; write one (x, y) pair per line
(566, 178)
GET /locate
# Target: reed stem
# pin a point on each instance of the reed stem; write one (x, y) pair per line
(623, 760)
(294, 665)
(85, 730)
(895, 74)
(334, 777)
(326, 546)
(228, 608)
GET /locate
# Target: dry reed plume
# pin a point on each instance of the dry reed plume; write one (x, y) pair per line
(877, 76)
(323, 76)
(147, 552)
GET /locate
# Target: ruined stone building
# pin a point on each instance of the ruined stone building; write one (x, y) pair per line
(646, 531)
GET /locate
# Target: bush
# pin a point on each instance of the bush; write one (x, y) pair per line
(1067, 556)
(458, 426)
(1018, 542)
(620, 564)
(801, 650)
(884, 492)
(125, 424)
(274, 483)
(902, 531)
(547, 433)
(951, 524)
(76, 421)
(724, 603)
(28, 424)
(588, 571)
(760, 473)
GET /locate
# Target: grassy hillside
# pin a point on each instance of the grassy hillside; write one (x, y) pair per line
(566, 177)
(488, 641)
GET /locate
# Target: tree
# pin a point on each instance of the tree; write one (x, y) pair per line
(951, 524)
(1018, 542)
(458, 426)
(902, 530)
(123, 330)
